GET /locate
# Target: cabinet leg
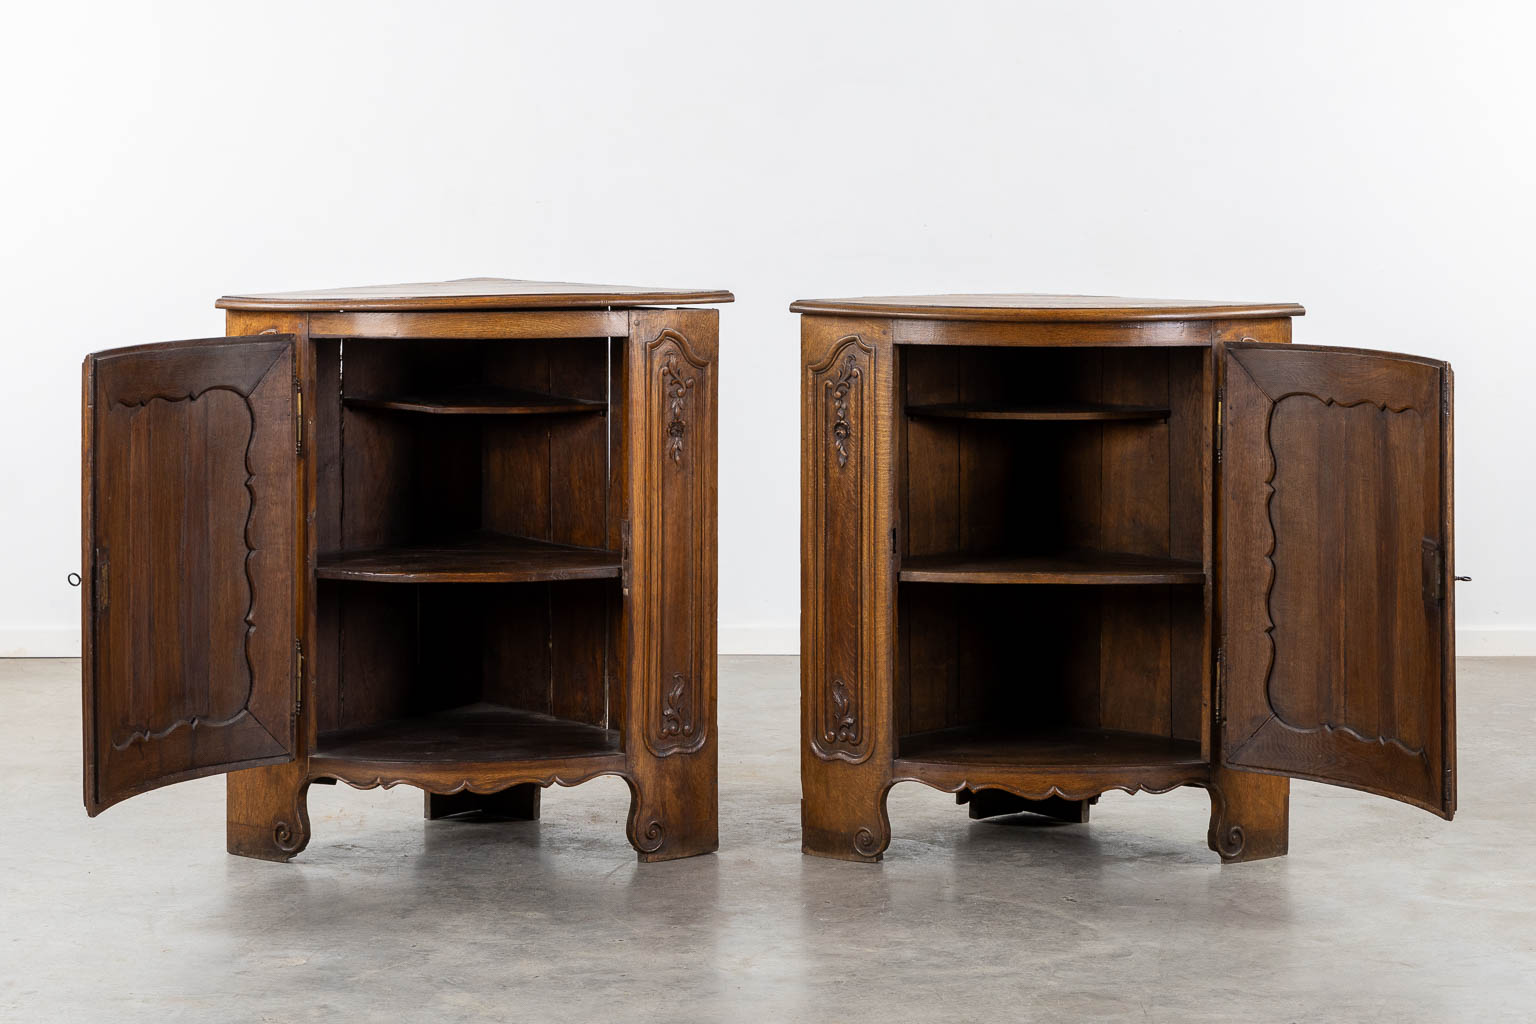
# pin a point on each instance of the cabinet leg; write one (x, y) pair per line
(1250, 815)
(673, 804)
(990, 803)
(844, 822)
(266, 812)
(673, 815)
(516, 803)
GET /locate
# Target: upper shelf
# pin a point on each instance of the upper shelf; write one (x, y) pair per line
(1076, 411)
(490, 403)
(475, 293)
(481, 558)
(1044, 308)
(1080, 567)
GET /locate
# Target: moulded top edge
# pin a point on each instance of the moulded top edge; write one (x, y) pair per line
(1023, 308)
(474, 293)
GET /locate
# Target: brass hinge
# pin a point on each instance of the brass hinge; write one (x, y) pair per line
(298, 676)
(1219, 398)
(1219, 710)
(298, 417)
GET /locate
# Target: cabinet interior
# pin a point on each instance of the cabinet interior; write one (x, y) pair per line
(468, 524)
(1054, 562)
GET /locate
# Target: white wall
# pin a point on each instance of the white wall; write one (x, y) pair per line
(1370, 160)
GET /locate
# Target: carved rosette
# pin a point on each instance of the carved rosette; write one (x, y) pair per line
(840, 552)
(676, 503)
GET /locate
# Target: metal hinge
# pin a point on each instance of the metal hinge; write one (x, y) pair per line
(1433, 570)
(1448, 791)
(298, 417)
(103, 566)
(1219, 397)
(1218, 712)
(298, 676)
(624, 556)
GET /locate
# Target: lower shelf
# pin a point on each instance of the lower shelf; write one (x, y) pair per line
(1067, 748)
(477, 741)
(480, 558)
(1083, 567)
(1071, 762)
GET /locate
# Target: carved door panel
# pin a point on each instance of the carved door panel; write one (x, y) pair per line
(1336, 570)
(671, 566)
(190, 521)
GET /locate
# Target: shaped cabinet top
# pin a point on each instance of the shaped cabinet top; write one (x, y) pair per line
(474, 293)
(1044, 308)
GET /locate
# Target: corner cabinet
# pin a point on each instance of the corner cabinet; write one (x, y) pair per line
(457, 535)
(1058, 545)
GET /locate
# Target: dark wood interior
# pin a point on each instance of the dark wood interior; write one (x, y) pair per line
(1051, 504)
(469, 593)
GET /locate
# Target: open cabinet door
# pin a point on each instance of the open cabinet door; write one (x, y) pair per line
(190, 525)
(1334, 486)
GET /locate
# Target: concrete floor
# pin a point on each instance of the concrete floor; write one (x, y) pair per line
(1380, 913)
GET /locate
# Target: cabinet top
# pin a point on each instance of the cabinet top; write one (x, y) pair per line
(1044, 308)
(473, 293)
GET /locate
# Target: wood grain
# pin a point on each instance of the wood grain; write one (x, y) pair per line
(1042, 308)
(194, 562)
(472, 293)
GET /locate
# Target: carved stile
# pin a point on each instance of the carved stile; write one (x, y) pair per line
(843, 564)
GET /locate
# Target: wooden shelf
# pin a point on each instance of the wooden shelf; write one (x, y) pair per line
(1075, 567)
(1065, 750)
(473, 734)
(481, 558)
(1067, 412)
(487, 403)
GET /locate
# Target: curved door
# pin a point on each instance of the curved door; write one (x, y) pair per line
(1336, 568)
(190, 525)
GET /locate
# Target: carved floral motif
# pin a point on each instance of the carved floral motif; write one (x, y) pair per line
(675, 388)
(844, 727)
(676, 719)
(841, 386)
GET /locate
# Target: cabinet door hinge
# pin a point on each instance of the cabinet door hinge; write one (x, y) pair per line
(624, 555)
(103, 567)
(298, 417)
(1219, 401)
(1433, 569)
(298, 676)
(1218, 711)
(1448, 791)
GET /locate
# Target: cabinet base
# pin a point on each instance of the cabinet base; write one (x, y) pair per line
(1250, 816)
(267, 817)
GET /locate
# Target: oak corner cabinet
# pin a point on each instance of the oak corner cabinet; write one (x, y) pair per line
(457, 535)
(1057, 545)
